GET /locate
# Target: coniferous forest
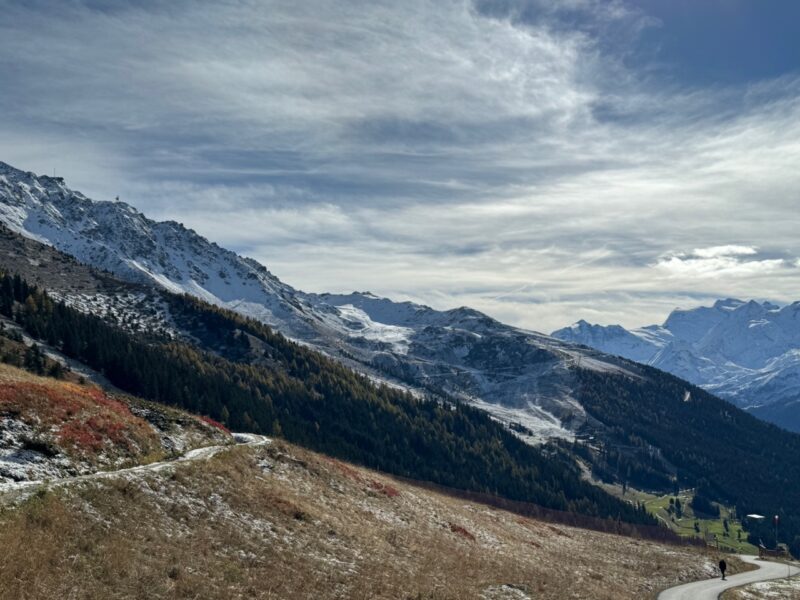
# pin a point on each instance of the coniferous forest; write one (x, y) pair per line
(725, 453)
(311, 400)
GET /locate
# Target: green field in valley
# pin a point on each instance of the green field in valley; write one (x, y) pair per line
(687, 523)
(712, 529)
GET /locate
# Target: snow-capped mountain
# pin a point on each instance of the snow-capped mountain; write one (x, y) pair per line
(746, 352)
(116, 237)
(519, 376)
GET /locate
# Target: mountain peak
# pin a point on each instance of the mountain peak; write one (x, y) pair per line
(728, 304)
(745, 351)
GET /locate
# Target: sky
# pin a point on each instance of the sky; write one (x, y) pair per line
(541, 161)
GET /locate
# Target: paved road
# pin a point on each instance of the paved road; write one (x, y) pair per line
(243, 439)
(710, 589)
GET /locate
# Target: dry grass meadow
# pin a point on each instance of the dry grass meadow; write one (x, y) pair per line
(283, 523)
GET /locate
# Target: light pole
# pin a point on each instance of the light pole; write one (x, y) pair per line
(756, 517)
(775, 520)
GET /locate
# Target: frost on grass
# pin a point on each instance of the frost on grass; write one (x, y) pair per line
(282, 522)
(505, 592)
(782, 589)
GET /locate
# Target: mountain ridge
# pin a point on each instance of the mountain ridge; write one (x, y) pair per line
(515, 374)
(747, 352)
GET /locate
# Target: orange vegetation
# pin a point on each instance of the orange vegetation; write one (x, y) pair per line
(83, 419)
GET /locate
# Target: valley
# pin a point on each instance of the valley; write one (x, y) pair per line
(285, 291)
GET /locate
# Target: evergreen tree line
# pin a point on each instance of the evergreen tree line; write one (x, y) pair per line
(728, 454)
(313, 401)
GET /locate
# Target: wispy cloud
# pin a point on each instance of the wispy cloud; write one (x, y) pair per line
(498, 153)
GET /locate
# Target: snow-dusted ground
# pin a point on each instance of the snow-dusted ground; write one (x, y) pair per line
(712, 588)
(395, 336)
(539, 424)
(19, 489)
(134, 312)
(30, 456)
(18, 462)
(781, 589)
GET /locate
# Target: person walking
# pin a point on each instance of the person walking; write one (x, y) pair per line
(722, 566)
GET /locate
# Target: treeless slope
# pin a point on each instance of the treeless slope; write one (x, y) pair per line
(285, 523)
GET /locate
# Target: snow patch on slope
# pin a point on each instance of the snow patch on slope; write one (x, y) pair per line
(397, 337)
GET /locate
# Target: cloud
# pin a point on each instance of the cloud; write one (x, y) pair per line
(724, 251)
(720, 261)
(502, 154)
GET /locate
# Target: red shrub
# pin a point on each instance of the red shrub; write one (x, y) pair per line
(80, 436)
(459, 530)
(86, 419)
(385, 489)
(213, 423)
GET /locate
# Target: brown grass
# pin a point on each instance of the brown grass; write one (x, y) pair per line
(283, 523)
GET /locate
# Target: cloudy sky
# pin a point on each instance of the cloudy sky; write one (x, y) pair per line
(540, 161)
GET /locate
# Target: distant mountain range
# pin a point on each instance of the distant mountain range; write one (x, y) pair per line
(745, 352)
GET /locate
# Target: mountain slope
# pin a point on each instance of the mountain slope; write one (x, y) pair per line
(258, 381)
(519, 376)
(282, 522)
(54, 428)
(745, 352)
(116, 237)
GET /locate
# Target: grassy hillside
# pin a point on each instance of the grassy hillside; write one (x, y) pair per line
(314, 401)
(686, 522)
(285, 523)
(675, 511)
